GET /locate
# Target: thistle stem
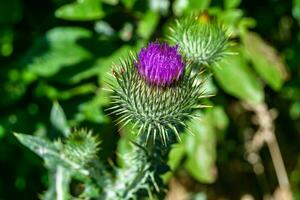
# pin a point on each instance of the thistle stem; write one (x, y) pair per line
(266, 134)
(141, 175)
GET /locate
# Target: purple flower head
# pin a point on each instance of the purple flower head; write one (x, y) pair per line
(160, 64)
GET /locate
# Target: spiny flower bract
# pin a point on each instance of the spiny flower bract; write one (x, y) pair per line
(202, 40)
(156, 111)
(81, 146)
(160, 64)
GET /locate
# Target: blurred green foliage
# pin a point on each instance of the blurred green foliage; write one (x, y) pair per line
(60, 51)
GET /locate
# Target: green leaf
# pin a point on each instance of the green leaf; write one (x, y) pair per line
(56, 50)
(93, 110)
(187, 6)
(148, 24)
(174, 159)
(128, 3)
(105, 65)
(49, 152)
(296, 9)
(265, 60)
(111, 2)
(81, 10)
(231, 3)
(199, 5)
(58, 119)
(176, 155)
(160, 6)
(218, 117)
(245, 24)
(2, 131)
(179, 6)
(199, 196)
(295, 110)
(201, 166)
(236, 78)
(6, 41)
(55, 94)
(201, 151)
(125, 145)
(42, 147)
(231, 17)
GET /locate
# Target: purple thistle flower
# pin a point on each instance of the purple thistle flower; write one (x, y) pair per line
(160, 64)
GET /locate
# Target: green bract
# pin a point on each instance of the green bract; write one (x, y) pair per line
(200, 40)
(157, 111)
(81, 146)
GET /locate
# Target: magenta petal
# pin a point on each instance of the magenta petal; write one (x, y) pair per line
(160, 64)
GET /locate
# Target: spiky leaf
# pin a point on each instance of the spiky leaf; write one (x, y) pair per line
(49, 152)
(58, 119)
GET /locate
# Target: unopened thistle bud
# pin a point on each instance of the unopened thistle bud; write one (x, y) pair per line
(156, 91)
(81, 146)
(202, 40)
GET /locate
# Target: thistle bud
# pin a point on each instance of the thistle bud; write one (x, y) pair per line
(202, 40)
(81, 146)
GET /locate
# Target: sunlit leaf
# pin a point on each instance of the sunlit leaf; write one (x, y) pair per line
(81, 10)
(6, 41)
(231, 17)
(148, 24)
(186, 6)
(176, 155)
(265, 60)
(219, 120)
(58, 119)
(42, 147)
(93, 110)
(198, 5)
(49, 152)
(111, 2)
(295, 110)
(296, 9)
(105, 65)
(236, 78)
(199, 196)
(58, 49)
(160, 6)
(55, 94)
(231, 3)
(201, 150)
(179, 6)
(128, 3)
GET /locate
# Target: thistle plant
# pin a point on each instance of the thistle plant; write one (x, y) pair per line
(157, 91)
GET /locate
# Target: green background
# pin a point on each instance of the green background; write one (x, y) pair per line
(61, 51)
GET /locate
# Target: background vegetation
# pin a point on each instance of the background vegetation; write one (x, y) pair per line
(60, 51)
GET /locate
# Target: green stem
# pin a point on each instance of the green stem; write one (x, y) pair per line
(141, 177)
